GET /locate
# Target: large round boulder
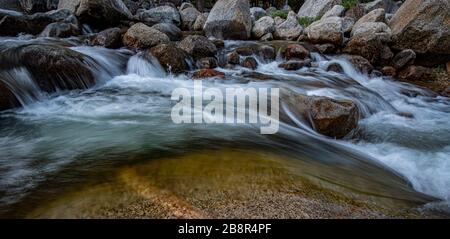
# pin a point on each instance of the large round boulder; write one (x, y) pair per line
(290, 29)
(171, 57)
(109, 38)
(198, 46)
(229, 19)
(263, 26)
(328, 30)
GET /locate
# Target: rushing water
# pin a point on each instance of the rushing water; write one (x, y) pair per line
(57, 137)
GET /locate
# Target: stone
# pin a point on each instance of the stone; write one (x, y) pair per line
(335, 67)
(171, 57)
(327, 48)
(422, 26)
(186, 5)
(257, 12)
(376, 15)
(267, 37)
(173, 32)
(33, 6)
(416, 73)
(390, 6)
(290, 29)
(198, 46)
(229, 19)
(207, 63)
(142, 36)
(328, 30)
(333, 118)
(389, 71)
(366, 45)
(249, 62)
(200, 22)
(359, 62)
(263, 26)
(317, 8)
(336, 11)
(60, 29)
(233, 58)
(294, 65)
(376, 29)
(355, 12)
(161, 14)
(7, 98)
(188, 17)
(267, 53)
(404, 58)
(109, 38)
(295, 51)
(347, 24)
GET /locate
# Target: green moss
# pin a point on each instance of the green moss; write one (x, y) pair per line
(279, 13)
(306, 21)
(349, 3)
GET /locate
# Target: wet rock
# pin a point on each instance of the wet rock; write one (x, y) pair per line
(423, 26)
(220, 44)
(257, 12)
(161, 14)
(109, 38)
(200, 22)
(33, 6)
(246, 50)
(376, 15)
(334, 118)
(53, 67)
(207, 63)
(173, 32)
(99, 13)
(366, 45)
(328, 30)
(290, 29)
(295, 51)
(315, 8)
(142, 36)
(294, 65)
(7, 98)
(233, 58)
(335, 67)
(60, 29)
(326, 48)
(355, 12)
(171, 57)
(361, 63)
(188, 17)
(249, 62)
(198, 46)
(267, 37)
(267, 53)
(263, 26)
(404, 58)
(229, 19)
(389, 71)
(336, 11)
(207, 73)
(416, 73)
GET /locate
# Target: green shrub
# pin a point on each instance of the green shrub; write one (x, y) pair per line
(279, 13)
(349, 3)
(306, 21)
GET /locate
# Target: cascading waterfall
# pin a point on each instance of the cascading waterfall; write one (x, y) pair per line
(128, 113)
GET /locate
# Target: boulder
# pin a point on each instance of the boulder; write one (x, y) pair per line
(295, 51)
(188, 17)
(366, 45)
(376, 15)
(52, 67)
(404, 58)
(356, 12)
(423, 26)
(207, 73)
(200, 22)
(249, 62)
(33, 6)
(173, 32)
(229, 19)
(390, 6)
(336, 11)
(186, 5)
(316, 8)
(206, 63)
(333, 118)
(416, 73)
(257, 12)
(13, 23)
(60, 29)
(278, 20)
(290, 29)
(263, 26)
(347, 24)
(233, 58)
(98, 13)
(267, 37)
(198, 46)
(171, 57)
(378, 29)
(142, 36)
(161, 14)
(12, 5)
(109, 38)
(389, 71)
(328, 30)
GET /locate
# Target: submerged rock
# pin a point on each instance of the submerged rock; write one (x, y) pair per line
(294, 65)
(171, 57)
(206, 73)
(229, 19)
(142, 36)
(207, 63)
(249, 62)
(334, 118)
